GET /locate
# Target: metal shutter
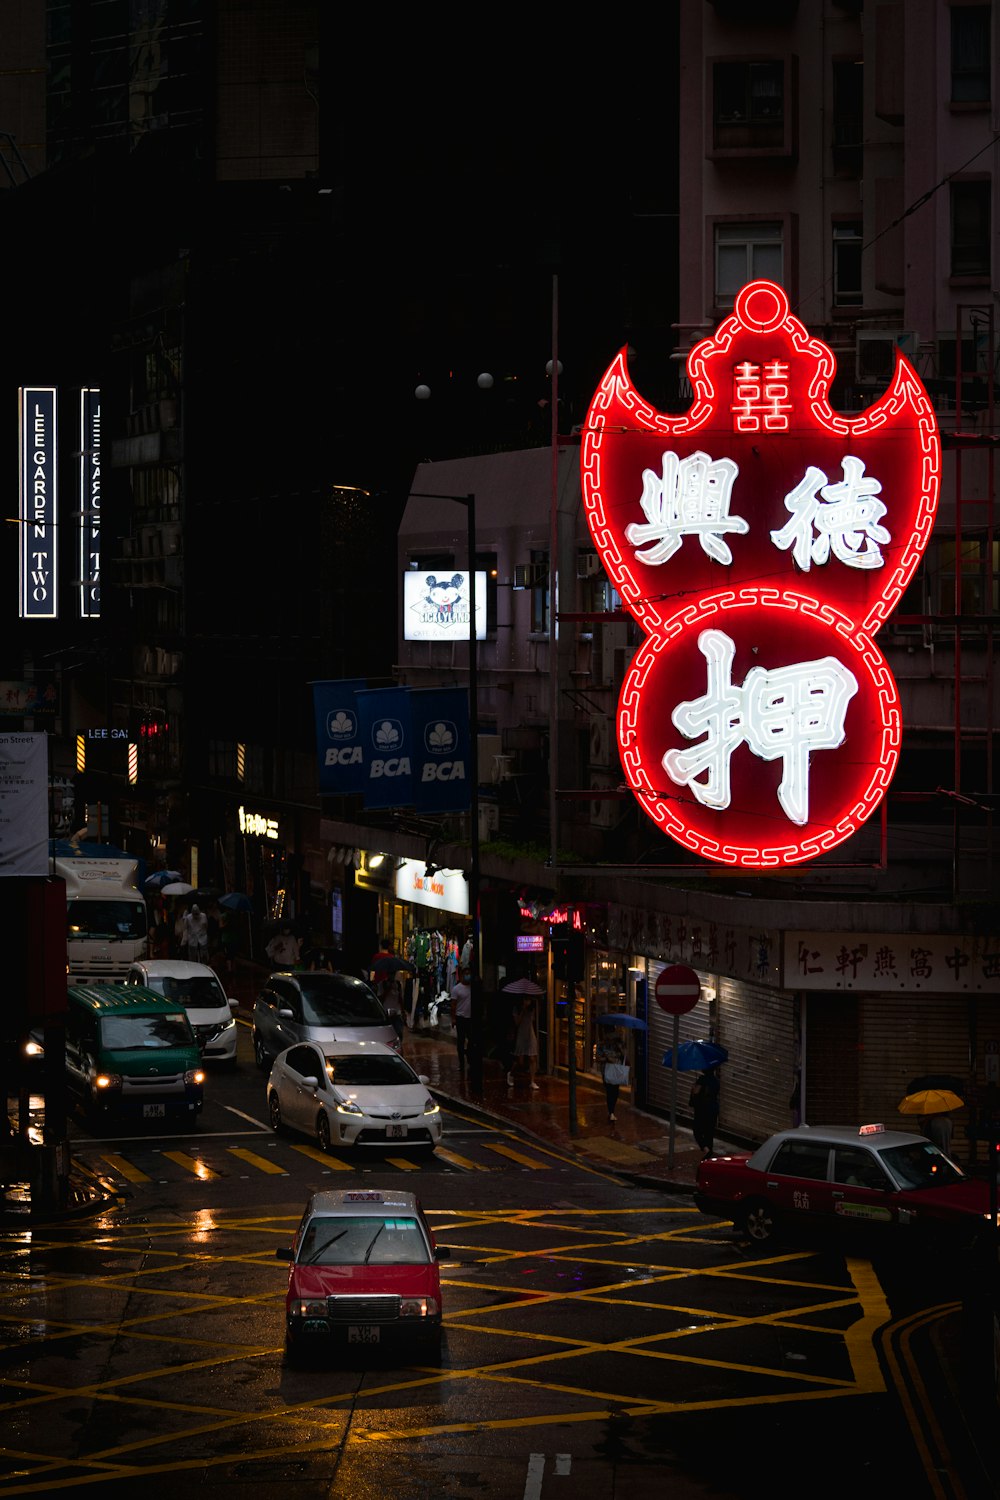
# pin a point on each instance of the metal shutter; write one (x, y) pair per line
(830, 1095)
(756, 1026)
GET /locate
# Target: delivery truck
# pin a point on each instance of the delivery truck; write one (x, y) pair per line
(106, 919)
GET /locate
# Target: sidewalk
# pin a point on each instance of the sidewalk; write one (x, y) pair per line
(637, 1146)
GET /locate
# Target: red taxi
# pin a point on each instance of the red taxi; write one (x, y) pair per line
(364, 1271)
(844, 1176)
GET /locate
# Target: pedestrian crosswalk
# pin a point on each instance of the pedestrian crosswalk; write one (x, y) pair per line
(135, 1163)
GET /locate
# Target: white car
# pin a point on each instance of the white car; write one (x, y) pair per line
(352, 1094)
(198, 988)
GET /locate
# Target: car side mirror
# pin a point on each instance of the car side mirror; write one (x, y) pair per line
(311, 1083)
(234, 1005)
(442, 1252)
(286, 1014)
(284, 1252)
(422, 1078)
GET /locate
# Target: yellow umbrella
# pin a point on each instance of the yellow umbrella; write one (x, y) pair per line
(930, 1102)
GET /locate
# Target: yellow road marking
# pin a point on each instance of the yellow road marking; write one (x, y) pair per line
(191, 1164)
(524, 1161)
(260, 1162)
(125, 1168)
(461, 1162)
(333, 1162)
(403, 1163)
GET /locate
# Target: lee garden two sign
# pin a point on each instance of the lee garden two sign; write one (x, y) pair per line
(761, 541)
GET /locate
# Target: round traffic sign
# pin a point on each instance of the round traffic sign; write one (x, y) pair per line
(677, 989)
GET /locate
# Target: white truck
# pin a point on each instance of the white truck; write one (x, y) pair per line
(106, 922)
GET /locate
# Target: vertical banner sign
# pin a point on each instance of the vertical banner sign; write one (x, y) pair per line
(90, 504)
(442, 754)
(761, 540)
(24, 804)
(338, 737)
(37, 501)
(387, 743)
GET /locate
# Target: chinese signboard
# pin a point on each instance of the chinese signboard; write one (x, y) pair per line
(761, 540)
(747, 953)
(90, 504)
(892, 961)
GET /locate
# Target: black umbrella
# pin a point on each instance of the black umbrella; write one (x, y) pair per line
(936, 1081)
(390, 964)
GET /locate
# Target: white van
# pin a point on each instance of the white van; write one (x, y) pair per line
(198, 988)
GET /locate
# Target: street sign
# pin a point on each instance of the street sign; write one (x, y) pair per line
(677, 990)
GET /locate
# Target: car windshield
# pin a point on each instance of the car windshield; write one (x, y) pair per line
(338, 999)
(381, 1069)
(121, 1032)
(365, 1240)
(200, 993)
(106, 919)
(920, 1165)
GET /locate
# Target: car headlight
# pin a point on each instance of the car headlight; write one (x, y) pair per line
(418, 1307)
(230, 1024)
(194, 1075)
(348, 1107)
(34, 1049)
(108, 1081)
(308, 1309)
(431, 1108)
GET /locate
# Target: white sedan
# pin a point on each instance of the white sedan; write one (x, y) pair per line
(352, 1094)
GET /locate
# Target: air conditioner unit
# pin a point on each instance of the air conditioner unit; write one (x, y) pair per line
(875, 353)
(600, 742)
(588, 565)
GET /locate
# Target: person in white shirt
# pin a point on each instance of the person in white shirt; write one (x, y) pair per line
(196, 935)
(461, 1016)
(283, 949)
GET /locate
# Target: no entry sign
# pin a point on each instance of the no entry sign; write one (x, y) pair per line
(677, 990)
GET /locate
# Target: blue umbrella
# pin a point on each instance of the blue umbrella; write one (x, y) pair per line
(692, 1057)
(162, 878)
(619, 1018)
(236, 901)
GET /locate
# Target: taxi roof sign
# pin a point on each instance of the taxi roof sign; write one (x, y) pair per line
(871, 1130)
(369, 1196)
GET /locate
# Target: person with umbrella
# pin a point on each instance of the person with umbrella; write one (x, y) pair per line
(611, 1055)
(705, 1109)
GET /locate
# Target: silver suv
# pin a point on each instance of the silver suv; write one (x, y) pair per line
(316, 1007)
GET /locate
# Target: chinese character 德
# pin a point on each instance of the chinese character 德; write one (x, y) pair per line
(842, 518)
(781, 714)
(689, 498)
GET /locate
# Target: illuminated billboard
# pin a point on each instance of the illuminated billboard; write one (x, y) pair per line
(90, 504)
(38, 518)
(761, 540)
(436, 606)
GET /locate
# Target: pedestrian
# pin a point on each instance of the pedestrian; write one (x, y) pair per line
(392, 999)
(939, 1129)
(705, 1109)
(196, 935)
(611, 1056)
(283, 949)
(526, 1042)
(461, 1016)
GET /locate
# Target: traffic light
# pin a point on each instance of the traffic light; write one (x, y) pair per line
(567, 954)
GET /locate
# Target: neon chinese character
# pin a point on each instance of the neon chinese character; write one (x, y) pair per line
(841, 517)
(690, 498)
(754, 398)
(782, 714)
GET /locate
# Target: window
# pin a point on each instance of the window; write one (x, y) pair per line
(848, 100)
(540, 593)
(802, 1159)
(856, 1167)
(970, 54)
(748, 105)
(847, 264)
(970, 228)
(744, 252)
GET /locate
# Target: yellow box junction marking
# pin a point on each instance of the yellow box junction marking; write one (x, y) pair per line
(253, 1160)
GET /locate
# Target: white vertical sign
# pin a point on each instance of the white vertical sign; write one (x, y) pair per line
(37, 503)
(90, 504)
(24, 804)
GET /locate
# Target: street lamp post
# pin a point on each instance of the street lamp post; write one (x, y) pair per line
(475, 976)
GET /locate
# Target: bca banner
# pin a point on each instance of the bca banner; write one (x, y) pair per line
(338, 742)
(387, 744)
(442, 759)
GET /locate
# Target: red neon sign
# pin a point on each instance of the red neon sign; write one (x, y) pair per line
(761, 540)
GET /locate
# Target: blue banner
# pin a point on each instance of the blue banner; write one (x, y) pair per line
(387, 746)
(338, 742)
(442, 756)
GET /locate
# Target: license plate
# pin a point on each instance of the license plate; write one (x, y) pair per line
(363, 1333)
(154, 1111)
(395, 1132)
